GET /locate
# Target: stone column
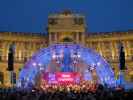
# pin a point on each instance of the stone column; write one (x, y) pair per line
(49, 38)
(99, 48)
(3, 51)
(6, 50)
(7, 78)
(128, 49)
(19, 51)
(16, 54)
(77, 37)
(113, 50)
(55, 37)
(116, 50)
(83, 38)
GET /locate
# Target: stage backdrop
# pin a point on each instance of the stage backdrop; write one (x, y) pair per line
(62, 77)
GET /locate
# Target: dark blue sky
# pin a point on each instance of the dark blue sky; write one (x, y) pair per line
(31, 15)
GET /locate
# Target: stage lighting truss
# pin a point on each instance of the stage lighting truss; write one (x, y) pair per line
(82, 59)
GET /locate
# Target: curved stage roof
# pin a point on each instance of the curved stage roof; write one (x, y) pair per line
(66, 58)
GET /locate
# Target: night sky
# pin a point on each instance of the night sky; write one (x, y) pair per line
(31, 15)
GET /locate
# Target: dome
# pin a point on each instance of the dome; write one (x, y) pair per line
(66, 58)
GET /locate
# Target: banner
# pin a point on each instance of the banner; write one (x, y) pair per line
(62, 78)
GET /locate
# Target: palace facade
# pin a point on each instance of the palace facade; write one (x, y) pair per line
(65, 27)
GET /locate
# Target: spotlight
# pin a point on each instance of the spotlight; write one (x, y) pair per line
(98, 63)
(39, 64)
(58, 61)
(34, 64)
(54, 56)
(41, 68)
(78, 56)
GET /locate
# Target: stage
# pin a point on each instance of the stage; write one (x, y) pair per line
(66, 64)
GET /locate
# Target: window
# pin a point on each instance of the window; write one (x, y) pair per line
(1, 78)
(78, 21)
(53, 36)
(131, 52)
(106, 45)
(0, 55)
(107, 50)
(52, 21)
(67, 39)
(19, 55)
(37, 45)
(131, 44)
(131, 78)
(0, 50)
(94, 45)
(25, 59)
(26, 45)
(80, 36)
(0, 44)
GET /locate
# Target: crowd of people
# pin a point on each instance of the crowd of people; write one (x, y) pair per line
(67, 93)
(83, 85)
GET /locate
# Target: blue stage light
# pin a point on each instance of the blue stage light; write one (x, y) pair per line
(67, 58)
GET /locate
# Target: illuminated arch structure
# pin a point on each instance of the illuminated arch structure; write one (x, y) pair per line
(67, 58)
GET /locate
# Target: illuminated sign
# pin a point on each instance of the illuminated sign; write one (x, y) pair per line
(62, 77)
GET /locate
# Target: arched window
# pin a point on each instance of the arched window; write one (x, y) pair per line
(1, 77)
(78, 21)
(52, 21)
(0, 54)
(67, 39)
